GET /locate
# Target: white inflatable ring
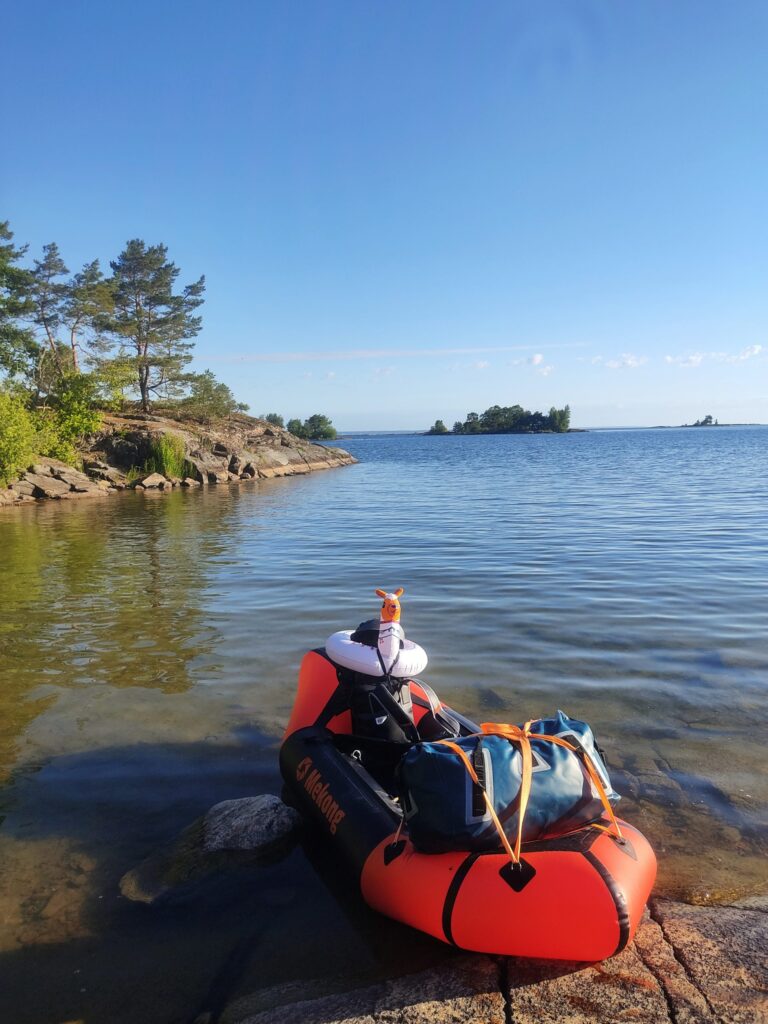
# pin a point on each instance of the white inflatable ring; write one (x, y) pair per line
(341, 648)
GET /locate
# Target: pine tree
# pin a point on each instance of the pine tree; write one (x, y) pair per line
(85, 311)
(154, 323)
(19, 351)
(49, 296)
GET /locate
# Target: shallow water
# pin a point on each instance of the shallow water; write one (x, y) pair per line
(149, 646)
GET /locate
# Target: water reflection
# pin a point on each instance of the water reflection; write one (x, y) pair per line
(106, 592)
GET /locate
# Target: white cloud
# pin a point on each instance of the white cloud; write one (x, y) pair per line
(697, 358)
(330, 375)
(694, 359)
(536, 360)
(746, 353)
(545, 370)
(482, 364)
(382, 371)
(627, 361)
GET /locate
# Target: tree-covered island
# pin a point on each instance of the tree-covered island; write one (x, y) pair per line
(512, 419)
(707, 421)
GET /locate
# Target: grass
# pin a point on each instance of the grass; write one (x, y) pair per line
(168, 457)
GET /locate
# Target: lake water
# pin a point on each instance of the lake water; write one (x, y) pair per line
(148, 653)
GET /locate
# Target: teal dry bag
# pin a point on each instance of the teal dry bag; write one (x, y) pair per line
(446, 810)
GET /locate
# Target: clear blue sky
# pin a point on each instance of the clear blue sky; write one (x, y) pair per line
(412, 210)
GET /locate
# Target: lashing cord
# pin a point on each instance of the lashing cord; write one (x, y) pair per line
(522, 736)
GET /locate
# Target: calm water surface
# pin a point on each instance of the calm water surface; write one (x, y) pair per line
(149, 648)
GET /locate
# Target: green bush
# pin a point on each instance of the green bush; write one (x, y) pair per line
(168, 457)
(17, 437)
(113, 378)
(63, 425)
(49, 438)
(74, 405)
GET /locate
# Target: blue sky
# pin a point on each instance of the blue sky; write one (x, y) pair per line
(412, 210)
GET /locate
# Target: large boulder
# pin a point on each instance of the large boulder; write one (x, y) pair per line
(208, 470)
(154, 480)
(23, 487)
(46, 486)
(254, 823)
(77, 481)
(47, 465)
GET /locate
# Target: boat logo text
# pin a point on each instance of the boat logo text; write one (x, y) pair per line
(318, 791)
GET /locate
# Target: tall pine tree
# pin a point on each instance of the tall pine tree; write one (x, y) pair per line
(48, 296)
(154, 323)
(18, 349)
(86, 309)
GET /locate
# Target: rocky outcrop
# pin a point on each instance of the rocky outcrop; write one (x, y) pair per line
(49, 478)
(242, 449)
(687, 965)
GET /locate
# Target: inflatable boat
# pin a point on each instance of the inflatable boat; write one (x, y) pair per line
(577, 895)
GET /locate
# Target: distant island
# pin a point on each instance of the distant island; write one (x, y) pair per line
(513, 419)
(706, 422)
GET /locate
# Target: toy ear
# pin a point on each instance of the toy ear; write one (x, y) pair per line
(381, 593)
(399, 592)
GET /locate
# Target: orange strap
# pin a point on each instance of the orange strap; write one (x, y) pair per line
(509, 732)
(514, 855)
(515, 734)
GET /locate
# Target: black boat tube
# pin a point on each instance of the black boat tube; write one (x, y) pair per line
(335, 791)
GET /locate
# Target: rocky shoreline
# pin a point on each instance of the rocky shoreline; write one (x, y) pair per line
(686, 965)
(244, 449)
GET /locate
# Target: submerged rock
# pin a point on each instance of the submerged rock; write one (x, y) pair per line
(252, 829)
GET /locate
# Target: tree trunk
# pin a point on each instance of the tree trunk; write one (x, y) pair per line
(54, 350)
(73, 343)
(144, 387)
